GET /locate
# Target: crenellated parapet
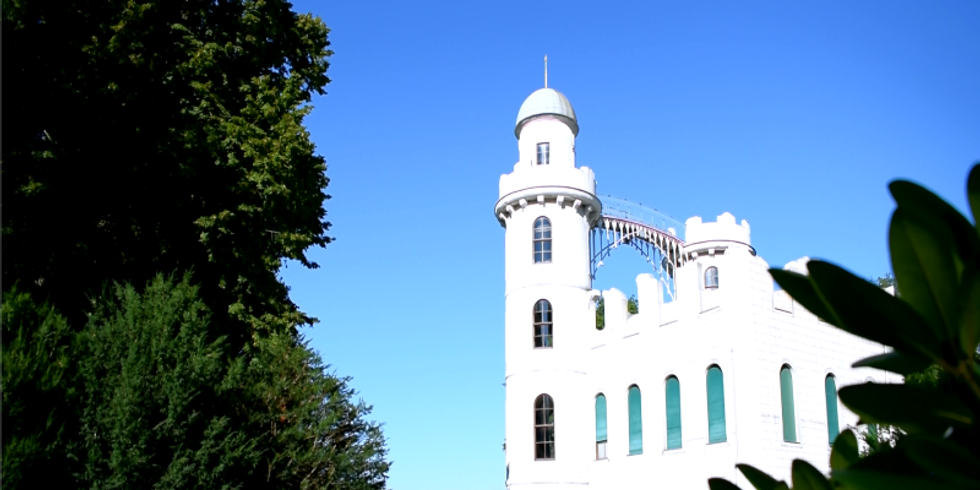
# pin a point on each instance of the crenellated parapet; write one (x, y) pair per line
(722, 234)
(561, 186)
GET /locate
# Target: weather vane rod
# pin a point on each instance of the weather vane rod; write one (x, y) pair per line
(545, 71)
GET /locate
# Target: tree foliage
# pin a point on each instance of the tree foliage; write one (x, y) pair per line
(160, 136)
(38, 392)
(632, 307)
(935, 254)
(146, 398)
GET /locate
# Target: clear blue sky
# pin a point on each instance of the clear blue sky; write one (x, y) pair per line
(792, 117)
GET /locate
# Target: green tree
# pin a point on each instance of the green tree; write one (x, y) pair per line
(632, 307)
(886, 281)
(935, 254)
(148, 400)
(160, 136)
(157, 396)
(39, 396)
(155, 137)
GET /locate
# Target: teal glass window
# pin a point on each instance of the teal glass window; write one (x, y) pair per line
(600, 426)
(544, 428)
(673, 390)
(716, 406)
(636, 421)
(786, 393)
(833, 424)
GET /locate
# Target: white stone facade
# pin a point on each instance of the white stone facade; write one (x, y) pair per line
(743, 326)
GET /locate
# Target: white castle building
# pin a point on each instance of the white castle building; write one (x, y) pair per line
(717, 368)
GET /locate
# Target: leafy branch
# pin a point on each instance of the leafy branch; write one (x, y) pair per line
(933, 328)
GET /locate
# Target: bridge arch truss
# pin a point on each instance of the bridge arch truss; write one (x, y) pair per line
(649, 232)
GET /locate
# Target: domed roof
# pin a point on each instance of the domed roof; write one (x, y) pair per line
(546, 101)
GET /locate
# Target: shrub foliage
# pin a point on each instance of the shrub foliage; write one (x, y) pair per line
(934, 321)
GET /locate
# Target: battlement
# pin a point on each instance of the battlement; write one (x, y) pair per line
(723, 230)
(649, 295)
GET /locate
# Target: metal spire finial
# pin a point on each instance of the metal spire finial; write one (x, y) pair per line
(545, 71)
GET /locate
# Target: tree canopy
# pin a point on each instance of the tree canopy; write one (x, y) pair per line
(160, 136)
(143, 395)
(157, 175)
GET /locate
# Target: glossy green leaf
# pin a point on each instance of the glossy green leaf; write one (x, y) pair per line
(806, 477)
(895, 362)
(721, 484)
(883, 480)
(919, 200)
(868, 311)
(973, 193)
(844, 451)
(969, 305)
(802, 290)
(759, 479)
(887, 461)
(947, 459)
(925, 269)
(913, 409)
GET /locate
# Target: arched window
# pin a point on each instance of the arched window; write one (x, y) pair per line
(833, 425)
(542, 240)
(711, 278)
(716, 406)
(600, 427)
(544, 428)
(673, 389)
(543, 324)
(786, 393)
(636, 421)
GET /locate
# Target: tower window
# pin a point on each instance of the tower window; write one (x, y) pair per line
(543, 324)
(673, 390)
(543, 151)
(711, 278)
(542, 240)
(635, 421)
(544, 428)
(789, 413)
(716, 406)
(600, 427)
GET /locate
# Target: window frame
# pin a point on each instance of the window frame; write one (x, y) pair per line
(708, 272)
(543, 323)
(601, 443)
(680, 422)
(541, 234)
(546, 145)
(724, 416)
(831, 401)
(786, 367)
(541, 403)
(638, 432)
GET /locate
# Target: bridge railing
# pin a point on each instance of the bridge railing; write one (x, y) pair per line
(615, 207)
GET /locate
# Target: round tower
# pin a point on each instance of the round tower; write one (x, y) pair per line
(547, 206)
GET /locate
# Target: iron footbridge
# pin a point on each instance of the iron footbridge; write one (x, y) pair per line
(652, 233)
